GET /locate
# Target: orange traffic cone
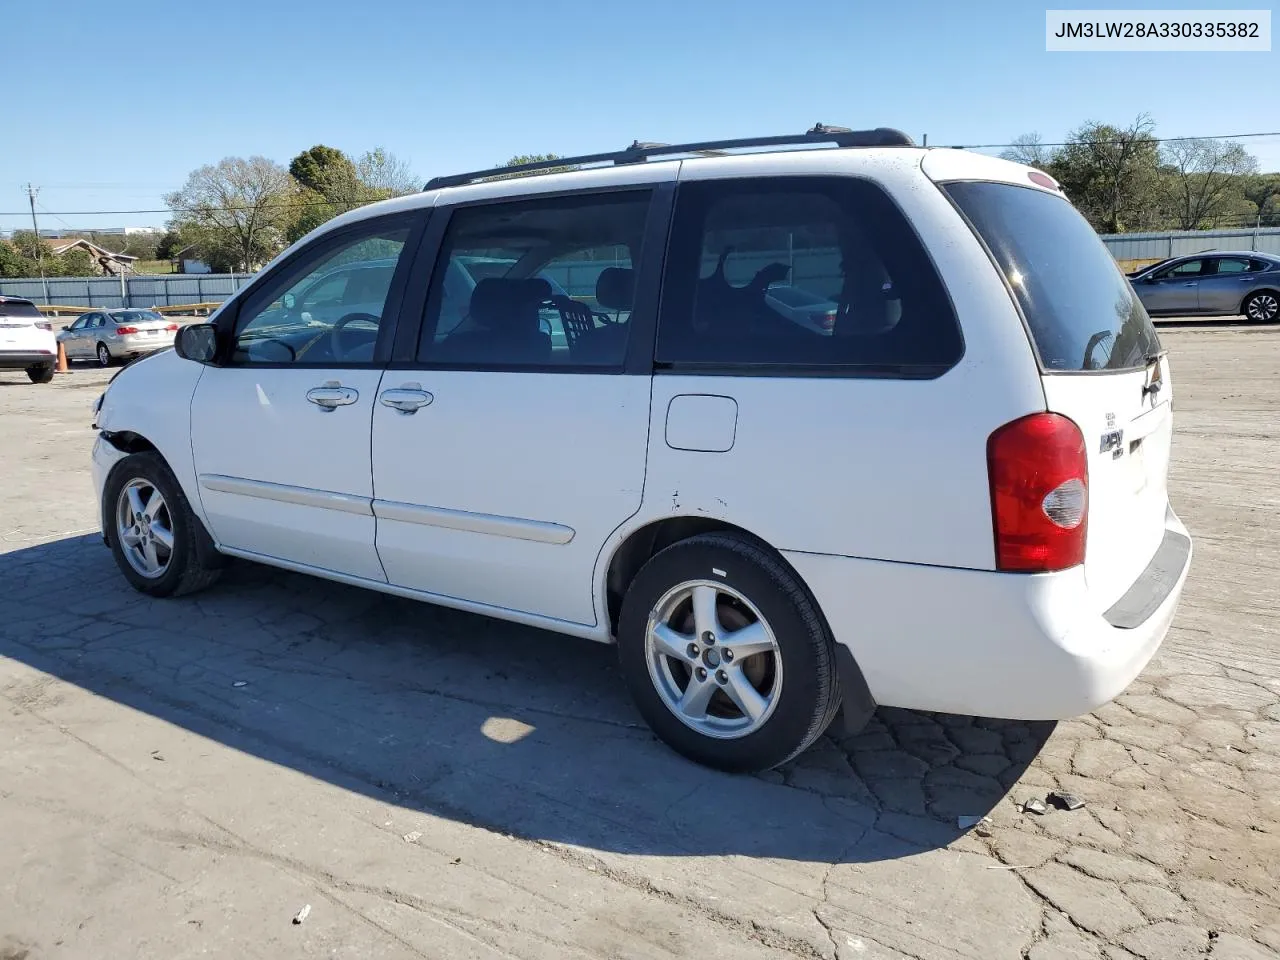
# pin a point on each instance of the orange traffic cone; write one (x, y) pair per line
(62, 359)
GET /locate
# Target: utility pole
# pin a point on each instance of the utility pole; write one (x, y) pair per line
(35, 229)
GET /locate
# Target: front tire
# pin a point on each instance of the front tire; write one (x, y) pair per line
(104, 355)
(153, 534)
(1262, 307)
(726, 654)
(41, 374)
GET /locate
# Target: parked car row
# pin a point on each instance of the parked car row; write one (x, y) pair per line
(119, 334)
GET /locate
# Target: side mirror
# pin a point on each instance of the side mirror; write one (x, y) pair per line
(197, 342)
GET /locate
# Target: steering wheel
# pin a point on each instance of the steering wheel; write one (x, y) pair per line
(335, 335)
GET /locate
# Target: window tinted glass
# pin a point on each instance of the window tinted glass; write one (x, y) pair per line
(1081, 310)
(26, 311)
(1232, 265)
(137, 316)
(536, 282)
(1189, 268)
(1255, 265)
(326, 309)
(795, 271)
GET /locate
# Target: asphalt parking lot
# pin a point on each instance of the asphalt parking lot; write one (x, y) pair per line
(179, 778)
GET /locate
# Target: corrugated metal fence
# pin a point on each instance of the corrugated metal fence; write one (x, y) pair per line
(1158, 246)
(146, 291)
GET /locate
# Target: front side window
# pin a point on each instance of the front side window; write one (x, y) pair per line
(1189, 268)
(802, 272)
(534, 283)
(325, 309)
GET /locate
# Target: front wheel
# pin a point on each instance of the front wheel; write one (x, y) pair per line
(1262, 307)
(152, 532)
(104, 355)
(726, 655)
(41, 374)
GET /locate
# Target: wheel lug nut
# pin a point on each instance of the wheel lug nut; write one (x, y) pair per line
(721, 677)
(709, 638)
(701, 673)
(727, 654)
(693, 650)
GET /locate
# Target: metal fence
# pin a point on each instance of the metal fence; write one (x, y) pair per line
(1158, 246)
(143, 291)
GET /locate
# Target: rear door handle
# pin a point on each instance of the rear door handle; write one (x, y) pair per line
(406, 399)
(331, 395)
(1191, 284)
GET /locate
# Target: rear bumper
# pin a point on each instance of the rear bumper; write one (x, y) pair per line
(136, 346)
(21, 359)
(1030, 647)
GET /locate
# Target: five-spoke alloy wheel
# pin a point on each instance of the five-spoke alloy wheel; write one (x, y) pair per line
(159, 545)
(726, 654)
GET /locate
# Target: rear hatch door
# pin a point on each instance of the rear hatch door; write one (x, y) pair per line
(1101, 365)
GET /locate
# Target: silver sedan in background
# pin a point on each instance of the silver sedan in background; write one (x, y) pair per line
(107, 335)
(1217, 284)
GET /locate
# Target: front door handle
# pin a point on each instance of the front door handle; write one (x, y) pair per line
(406, 399)
(331, 395)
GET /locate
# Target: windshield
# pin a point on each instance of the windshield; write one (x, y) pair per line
(1081, 310)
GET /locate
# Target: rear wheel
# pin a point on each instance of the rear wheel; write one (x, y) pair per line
(104, 355)
(41, 374)
(1262, 307)
(726, 655)
(151, 529)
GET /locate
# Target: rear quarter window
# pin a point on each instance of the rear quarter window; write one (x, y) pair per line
(1080, 309)
(801, 274)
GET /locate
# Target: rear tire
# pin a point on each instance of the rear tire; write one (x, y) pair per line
(104, 355)
(1262, 307)
(41, 374)
(688, 609)
(153, 534)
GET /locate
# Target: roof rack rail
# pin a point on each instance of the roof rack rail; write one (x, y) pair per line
(640, 151)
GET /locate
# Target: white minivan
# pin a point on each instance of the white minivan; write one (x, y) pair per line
(950, 497)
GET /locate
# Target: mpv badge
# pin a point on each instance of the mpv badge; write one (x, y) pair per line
(1113, 440)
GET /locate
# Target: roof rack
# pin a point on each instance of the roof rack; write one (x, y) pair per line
(640, 151)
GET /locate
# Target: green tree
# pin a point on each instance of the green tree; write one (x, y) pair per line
(13, 263)
(241, 206)
(168, 245)
(316, 169)
(1263, 191)
(384, 175)
(76, 262)
(1205, 180)
(1112, 174)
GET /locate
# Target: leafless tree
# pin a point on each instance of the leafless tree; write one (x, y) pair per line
(241, 205)
(1206, 175)
(1028, 148)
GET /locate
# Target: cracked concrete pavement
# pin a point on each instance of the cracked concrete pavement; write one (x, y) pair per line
(181, 777)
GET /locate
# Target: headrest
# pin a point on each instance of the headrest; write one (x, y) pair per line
(500, 302)
(616, 288)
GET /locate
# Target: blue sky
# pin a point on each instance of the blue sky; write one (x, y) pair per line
(111, 110)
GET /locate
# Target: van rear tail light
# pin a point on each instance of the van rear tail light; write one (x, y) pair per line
(1039, 475)
(44, 325)
(123, 330)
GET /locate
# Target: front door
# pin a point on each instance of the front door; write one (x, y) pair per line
(1175, 290)
(280, 429)
(73, 338)
(513, 444)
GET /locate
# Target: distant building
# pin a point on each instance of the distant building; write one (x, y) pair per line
(55, 233)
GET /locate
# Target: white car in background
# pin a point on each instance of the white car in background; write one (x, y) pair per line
(119, 334)
(26, 340)
(991, 534)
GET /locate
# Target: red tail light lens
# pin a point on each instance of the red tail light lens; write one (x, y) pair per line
(43, 325)
(824, 321)
(1039, 493)
(123, 330)
(172, 327)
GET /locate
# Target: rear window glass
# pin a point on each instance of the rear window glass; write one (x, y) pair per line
(1082, 311)
(23, 311)
(802, 272)
(136, 316)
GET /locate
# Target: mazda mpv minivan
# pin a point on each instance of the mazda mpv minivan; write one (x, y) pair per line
(951, 497)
